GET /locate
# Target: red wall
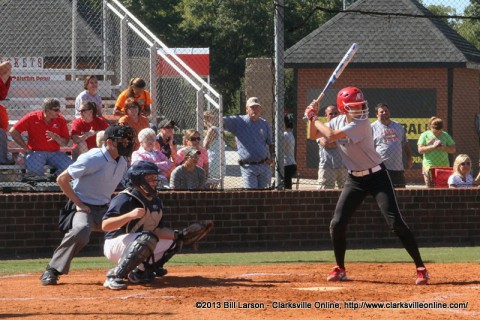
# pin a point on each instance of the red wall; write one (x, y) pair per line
(260, 220)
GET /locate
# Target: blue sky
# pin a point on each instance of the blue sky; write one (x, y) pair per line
(459, 5)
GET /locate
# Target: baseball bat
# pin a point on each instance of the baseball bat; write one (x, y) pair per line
(338, 71)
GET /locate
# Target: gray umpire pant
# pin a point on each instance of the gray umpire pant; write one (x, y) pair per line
(77, 237)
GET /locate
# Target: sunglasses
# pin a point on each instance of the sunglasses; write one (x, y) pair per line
(195, 139)
(465, 163)
(84, 110)
(333, 114)
(168, 127)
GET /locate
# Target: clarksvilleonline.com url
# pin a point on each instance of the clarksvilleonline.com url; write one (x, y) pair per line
(329, 305)
(404, 305)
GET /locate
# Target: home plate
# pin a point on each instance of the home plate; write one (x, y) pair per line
(321, 288)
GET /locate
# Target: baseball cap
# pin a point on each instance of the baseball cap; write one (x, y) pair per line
(119, 131)
(165, 123)
(191, 152)
(252, 101)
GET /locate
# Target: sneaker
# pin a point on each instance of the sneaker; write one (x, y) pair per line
(141, 277)
(337, 274)
(115, 283)
(49, 277)
(160, 272)
(422, 276)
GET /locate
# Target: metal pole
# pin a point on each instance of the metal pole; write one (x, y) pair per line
(124, 52)
(153, 83)
(279, 93)
(74, 37)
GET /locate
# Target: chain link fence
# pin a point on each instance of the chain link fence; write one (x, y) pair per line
(53, 45)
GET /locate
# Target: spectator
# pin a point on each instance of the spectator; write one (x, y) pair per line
(253, 136)
(461, 177)
(288, 145)
(211, 142)
(331, 170)
(90, 94)
(435, 145)
(134, 119)
(146, 152)
(5, 78)
(390, 139)
(85, 128)
(189, 176)
(100, 138)
(165, 139)
(192, 138)
(135, 90)
(3, 137)
(96, 175)
(47, 132)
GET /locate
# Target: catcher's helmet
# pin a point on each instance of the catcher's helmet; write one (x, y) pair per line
(137, 172)
(352, 97)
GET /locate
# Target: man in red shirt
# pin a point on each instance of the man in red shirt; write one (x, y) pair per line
(47, 131)
(5, 79)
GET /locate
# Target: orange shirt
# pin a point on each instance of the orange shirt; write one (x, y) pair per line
(143, 100)
(142, 123)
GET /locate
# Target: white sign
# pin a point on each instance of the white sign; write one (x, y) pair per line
(24, 62)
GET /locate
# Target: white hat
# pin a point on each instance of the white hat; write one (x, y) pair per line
(253, 101)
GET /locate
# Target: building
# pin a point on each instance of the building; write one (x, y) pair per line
(418, 65)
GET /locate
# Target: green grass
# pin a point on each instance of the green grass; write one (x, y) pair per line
(430, 255)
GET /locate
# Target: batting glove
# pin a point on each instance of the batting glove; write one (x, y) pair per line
(311, 113)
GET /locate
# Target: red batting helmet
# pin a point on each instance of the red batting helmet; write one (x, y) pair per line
(352, 97)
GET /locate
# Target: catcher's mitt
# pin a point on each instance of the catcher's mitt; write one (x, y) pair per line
(194, 232)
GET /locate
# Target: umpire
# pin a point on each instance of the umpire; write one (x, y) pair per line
(95, 175)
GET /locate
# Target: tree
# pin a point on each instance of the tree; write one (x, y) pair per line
(239, 29)
(233, 30)
(439, 10)
(469, 28)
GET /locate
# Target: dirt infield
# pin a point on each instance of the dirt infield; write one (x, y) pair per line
(277, 291)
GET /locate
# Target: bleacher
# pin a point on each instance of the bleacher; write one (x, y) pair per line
(28, 89)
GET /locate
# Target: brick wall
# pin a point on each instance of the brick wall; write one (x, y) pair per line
(260, 220)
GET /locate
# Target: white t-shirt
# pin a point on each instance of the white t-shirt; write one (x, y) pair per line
(457, 181)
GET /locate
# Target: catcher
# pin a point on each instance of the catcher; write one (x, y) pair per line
(136, 237)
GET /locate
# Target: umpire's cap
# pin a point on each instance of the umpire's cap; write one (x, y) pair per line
(119, 132)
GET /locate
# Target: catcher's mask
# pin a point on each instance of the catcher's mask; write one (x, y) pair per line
(136, 174)
(119, 133)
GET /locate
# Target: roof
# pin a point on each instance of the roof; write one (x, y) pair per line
(384, 40)
(33, 28)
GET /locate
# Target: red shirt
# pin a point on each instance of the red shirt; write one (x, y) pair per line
(3, 118)
(36, 127)
(4, 88)
(80, 127)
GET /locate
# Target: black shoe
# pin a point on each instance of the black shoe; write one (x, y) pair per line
(160, 272)
(141, 277)
(49, 277)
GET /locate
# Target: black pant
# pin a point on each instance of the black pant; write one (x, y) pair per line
(289, 172)
(398, 178)
(356, 189)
